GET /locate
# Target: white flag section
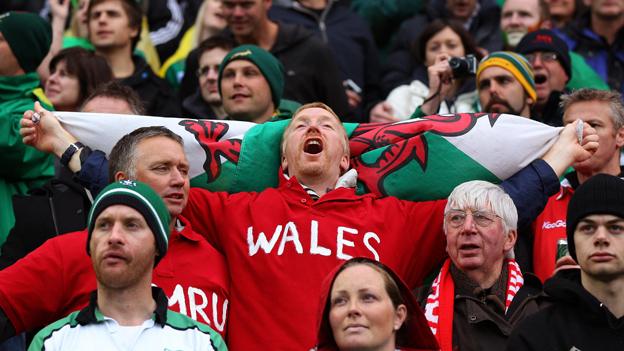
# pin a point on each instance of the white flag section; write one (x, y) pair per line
(503, 148)
(102, 130)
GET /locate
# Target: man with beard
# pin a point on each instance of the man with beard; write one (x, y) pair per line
(505, 84)
(550, 59)
(128, 234)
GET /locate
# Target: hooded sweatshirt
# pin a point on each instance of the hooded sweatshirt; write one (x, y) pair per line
(576, 321)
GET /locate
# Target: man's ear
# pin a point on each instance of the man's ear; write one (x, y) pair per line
(344, 164)
(510, 240)
(120, 175)
(285, 165)
(619, 137)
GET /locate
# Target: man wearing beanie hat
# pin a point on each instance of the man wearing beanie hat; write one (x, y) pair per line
(128, 234)
(24, 41)
(193, 274)
(141, 198)
(505, 84)
(588, 303)
(550, 59)
(251, 84)
(311, 71)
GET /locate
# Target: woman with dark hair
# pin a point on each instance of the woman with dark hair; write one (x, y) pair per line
(74, 75)
(435, 89)
(365, 305)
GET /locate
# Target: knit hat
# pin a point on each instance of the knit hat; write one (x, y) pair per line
(516, 64)
(546, 40)
(600, 194)
(143, 199)
(271, 68)
(29, 37)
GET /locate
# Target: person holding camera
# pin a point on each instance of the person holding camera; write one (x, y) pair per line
(437, 87)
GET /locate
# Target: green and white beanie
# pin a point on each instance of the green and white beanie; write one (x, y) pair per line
(140, 197)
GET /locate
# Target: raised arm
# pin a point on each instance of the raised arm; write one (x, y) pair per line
(531, 187)
(47, 135)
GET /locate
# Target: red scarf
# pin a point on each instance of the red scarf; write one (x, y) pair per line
(440, 303)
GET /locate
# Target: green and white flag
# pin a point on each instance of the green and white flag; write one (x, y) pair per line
(417, 159)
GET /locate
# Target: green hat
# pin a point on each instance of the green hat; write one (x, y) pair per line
(516, 64)
(271, 68)
(143, 199)
(29, 37)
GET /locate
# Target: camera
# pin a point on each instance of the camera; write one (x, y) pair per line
(463, 66)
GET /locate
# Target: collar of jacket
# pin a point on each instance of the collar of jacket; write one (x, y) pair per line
(91, 314)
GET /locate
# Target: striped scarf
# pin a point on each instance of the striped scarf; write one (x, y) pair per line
(440, 302)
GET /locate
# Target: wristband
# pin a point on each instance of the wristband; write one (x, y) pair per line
(71, 150)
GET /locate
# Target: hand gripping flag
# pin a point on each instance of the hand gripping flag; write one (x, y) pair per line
(418, 159)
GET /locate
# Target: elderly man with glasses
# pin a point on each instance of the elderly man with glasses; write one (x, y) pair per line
(550, 60)
(480, 292)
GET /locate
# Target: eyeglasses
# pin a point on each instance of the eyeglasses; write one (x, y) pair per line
(545, 56)
(203, 71)
(483, 219)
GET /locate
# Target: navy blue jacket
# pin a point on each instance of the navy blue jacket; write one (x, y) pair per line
(607, 60)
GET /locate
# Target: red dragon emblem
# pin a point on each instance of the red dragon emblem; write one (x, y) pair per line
(404, 142)
(208, 134)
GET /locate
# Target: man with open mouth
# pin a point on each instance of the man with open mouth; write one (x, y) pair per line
(550, 59)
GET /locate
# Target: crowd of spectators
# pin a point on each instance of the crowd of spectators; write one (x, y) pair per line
(485, 269)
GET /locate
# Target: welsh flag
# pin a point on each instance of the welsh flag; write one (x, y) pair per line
(419, 159)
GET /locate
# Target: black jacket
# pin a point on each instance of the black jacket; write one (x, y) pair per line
(400, 63)
(576, 320)
(310, 72)
(158, 98)
(552, 113)
(348, 37)
(194, 106)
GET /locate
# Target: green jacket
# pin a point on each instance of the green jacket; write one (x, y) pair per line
(23, 167)
(583, 76)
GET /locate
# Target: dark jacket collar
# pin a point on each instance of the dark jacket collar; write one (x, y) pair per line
(566, 288)
(91, 314)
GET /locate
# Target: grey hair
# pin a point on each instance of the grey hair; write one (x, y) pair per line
(612, 98)
(122, 157)
(479, 194)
